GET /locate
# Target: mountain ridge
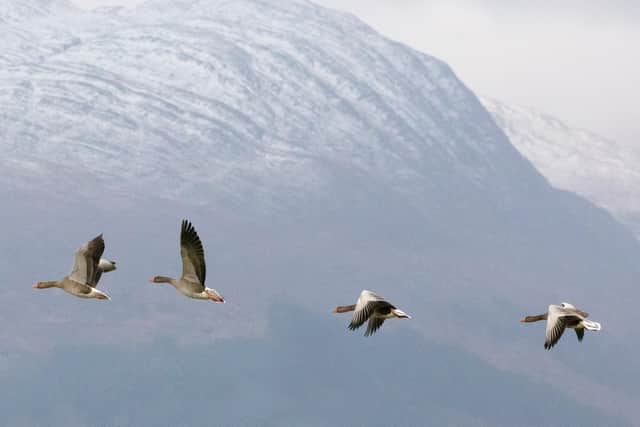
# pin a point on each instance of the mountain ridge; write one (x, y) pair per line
(574, 159)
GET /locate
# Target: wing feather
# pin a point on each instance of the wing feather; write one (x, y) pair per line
(373, 325)
(367, 304)
(192, 253)
(557, 321)
(85, 268)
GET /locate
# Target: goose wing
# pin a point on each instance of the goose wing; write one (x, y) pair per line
(557, 322)
(373, 325)
(192, 252)
(85, 267)
(98, 276)
(368, 302)
(104, 266)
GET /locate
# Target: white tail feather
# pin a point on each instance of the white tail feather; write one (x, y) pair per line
(591, 326)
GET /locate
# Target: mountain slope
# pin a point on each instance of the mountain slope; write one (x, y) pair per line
(225, 80)
(316, 158)
(16, 11)
(572, 159)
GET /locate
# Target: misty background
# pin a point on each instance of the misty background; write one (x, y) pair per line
(315, 158)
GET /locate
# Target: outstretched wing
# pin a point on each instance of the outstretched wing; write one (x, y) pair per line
(368, 302)
(85, 266)
(192, 253)
(557, 322)
(373, 325)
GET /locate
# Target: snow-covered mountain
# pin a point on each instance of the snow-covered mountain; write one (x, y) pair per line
(601, 170)
(316, 158)
(12, 12)
(213, 77)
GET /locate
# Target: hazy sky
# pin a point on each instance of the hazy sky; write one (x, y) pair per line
(577, 60)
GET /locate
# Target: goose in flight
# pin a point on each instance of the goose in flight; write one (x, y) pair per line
(373, 308)
(194, 270)
(87, 269)
(560, 317)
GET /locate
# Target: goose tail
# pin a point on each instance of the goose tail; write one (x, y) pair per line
(591, 326)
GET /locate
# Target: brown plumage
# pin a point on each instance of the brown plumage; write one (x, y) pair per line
(372, 308)
(194, 269)
(85, 274)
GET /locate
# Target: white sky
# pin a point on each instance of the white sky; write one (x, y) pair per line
(578, 60)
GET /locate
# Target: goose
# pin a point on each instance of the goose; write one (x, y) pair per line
(370, 307)
(87, 269)
(563, 316)
(194, 270)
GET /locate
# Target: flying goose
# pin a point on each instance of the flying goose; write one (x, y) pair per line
(194, 270)
(563, 316)
(86, 272)
(370, 307)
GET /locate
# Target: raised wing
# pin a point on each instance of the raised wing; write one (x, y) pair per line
(192, 253)
(367, 303)
(85, 267)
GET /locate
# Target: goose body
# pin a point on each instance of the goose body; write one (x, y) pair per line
(88, 267)
(194, 271)
(561, 317)
(372, 308)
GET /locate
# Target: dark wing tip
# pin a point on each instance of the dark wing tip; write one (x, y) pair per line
(190, 241)
(188, 233)
(373, 325)
(96, 247)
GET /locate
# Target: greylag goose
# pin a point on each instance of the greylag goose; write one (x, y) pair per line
(194, 270)
(87, 270)
(563, 316)
(370, 307)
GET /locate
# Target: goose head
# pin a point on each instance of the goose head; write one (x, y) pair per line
(45, 285)
(162, 279)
